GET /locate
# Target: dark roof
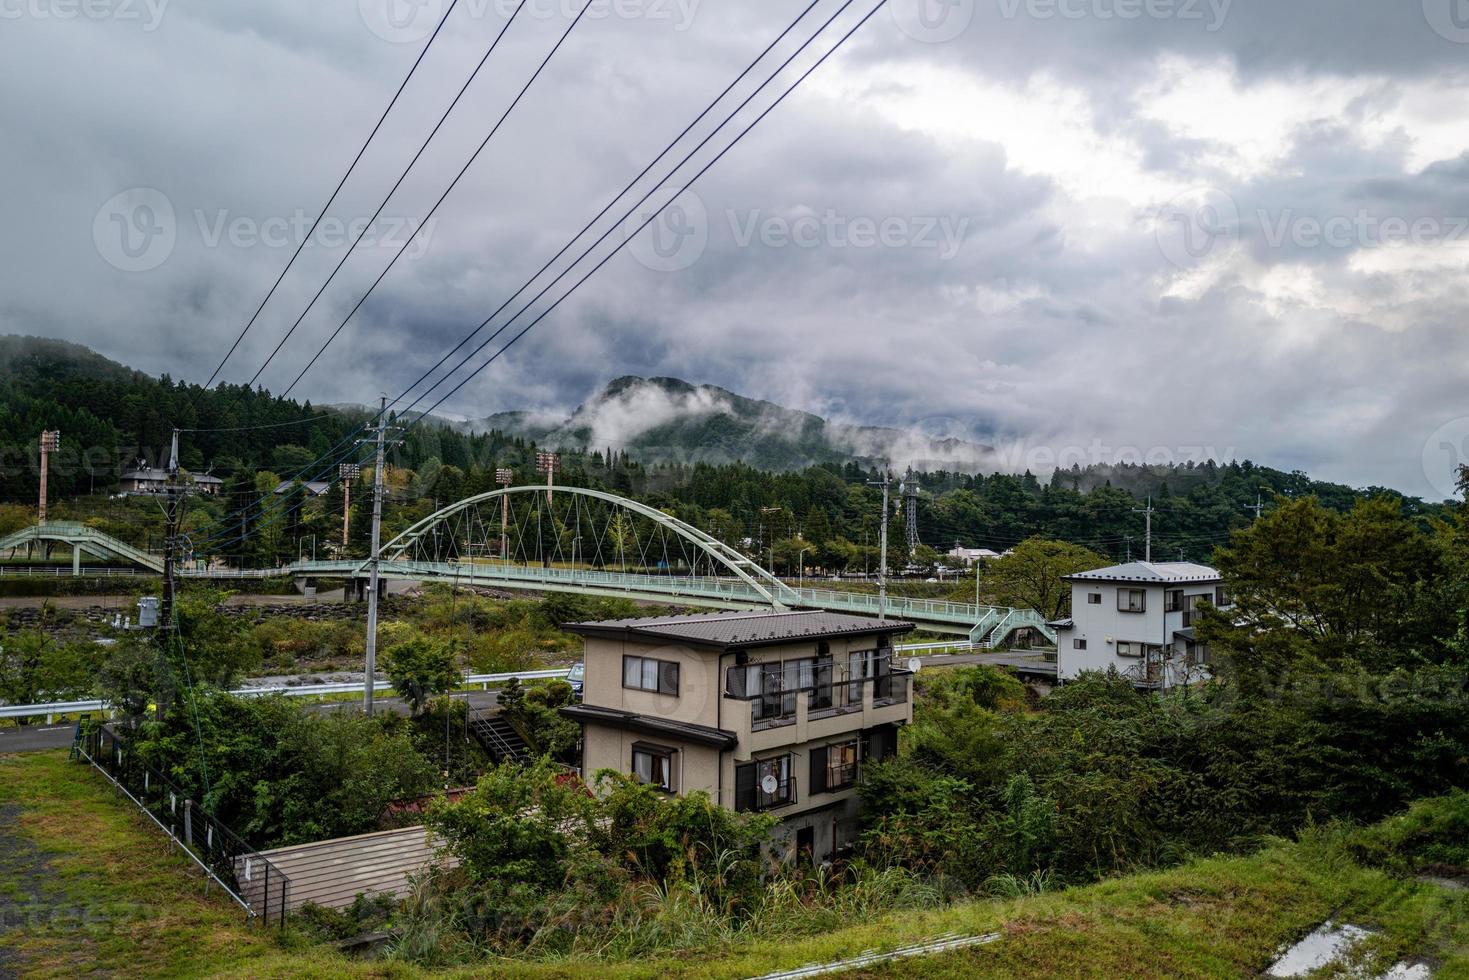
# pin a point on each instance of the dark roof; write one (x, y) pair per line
(316, 488)
(1061, 624)
(742, 630)
(651, 725)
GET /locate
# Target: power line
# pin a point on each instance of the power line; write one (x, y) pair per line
(452, 184)
(720, 155)
(264, 425)
(398, 183)
(329, 201)
(653, 215)
(608, 206)
(346, 440)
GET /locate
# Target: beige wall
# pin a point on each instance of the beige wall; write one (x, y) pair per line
(695, 767)
(698, 673)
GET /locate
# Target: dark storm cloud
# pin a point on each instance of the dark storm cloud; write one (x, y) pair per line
(960, 235)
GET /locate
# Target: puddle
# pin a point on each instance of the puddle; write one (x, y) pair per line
(1329, 943)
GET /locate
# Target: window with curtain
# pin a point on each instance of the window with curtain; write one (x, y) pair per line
(647, 674)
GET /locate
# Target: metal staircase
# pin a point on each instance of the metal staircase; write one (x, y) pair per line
(499, 738)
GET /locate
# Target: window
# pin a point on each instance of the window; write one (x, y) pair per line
(778, 686)
(764, 784)
(1078, 643)
(646, 674)
(1173, 600)
(1196, 602)
(1129, 649)
(841, 765)
(1131, 600)
(821, 671)
(1094, 598)
(1221, 597)
(653, 765)
(834, 767)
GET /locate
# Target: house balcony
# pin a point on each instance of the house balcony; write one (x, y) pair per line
(781, 718)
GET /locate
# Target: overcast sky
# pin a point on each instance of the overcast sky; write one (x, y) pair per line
(1076, 228)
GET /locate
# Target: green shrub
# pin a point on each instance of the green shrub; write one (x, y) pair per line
(1432, 834)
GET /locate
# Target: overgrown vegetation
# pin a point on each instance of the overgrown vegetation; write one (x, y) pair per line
(114, 903)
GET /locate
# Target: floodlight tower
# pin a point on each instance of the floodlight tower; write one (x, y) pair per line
(548, 463)
(50, 443)
(504, 477)
(348, 472)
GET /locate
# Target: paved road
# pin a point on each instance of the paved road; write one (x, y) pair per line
(35, 738)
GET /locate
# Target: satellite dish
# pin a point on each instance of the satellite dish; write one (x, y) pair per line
(769, 784)
(914, 664)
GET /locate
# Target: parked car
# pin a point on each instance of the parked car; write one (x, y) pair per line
(574, 677)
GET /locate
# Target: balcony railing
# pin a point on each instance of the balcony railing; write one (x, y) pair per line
(783, 795)
(892, 689)
(829, 690)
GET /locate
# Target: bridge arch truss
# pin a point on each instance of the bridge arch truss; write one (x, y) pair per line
(577, 527)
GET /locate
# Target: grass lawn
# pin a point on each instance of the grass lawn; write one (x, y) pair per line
(86, 883)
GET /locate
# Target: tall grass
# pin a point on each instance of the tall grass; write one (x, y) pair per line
(686, 913)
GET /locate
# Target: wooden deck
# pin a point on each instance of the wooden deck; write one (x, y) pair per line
(332, 873)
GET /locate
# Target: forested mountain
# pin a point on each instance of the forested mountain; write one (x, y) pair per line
(666, 420)
(110, 416)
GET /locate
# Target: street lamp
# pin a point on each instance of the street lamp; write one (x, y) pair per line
(801, 565)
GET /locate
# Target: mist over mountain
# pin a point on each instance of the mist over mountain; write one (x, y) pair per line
(667, 420)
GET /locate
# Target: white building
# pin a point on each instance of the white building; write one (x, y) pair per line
(1139, 619)
(968, 556)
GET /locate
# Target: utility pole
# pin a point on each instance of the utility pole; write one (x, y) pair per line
(173, 507)
(377, 528)
(50, 443)
(1259, 507)
(348, 473)
(882, 551)
(504, 477)
(1147, 513)
(1128, 538)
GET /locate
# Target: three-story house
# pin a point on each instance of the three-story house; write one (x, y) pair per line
(764, 711)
